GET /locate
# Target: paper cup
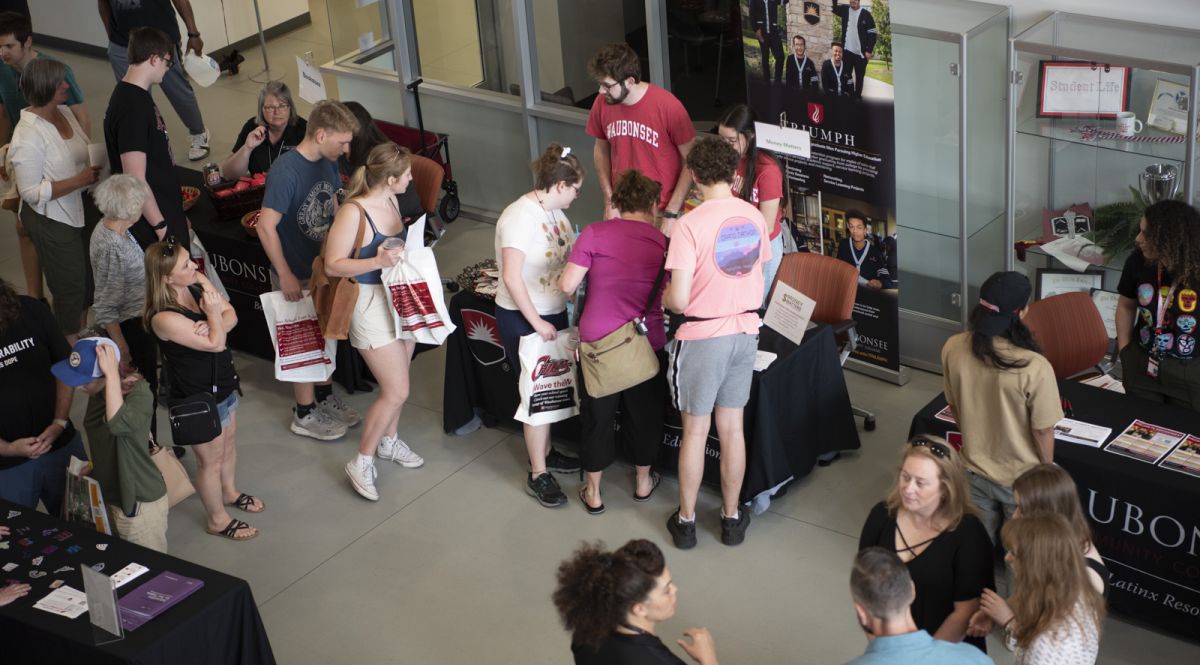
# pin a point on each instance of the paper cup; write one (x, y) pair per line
(97, 154)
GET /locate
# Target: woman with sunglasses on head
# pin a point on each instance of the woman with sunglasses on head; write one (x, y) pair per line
(533, 241)
(1055, 612)
(1003, 393)
(928, 520)
(612, 602)
(758, 180)
(275, 129)
(371, 202)
(191, 320)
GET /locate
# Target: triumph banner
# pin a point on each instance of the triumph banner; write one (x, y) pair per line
(824, 67)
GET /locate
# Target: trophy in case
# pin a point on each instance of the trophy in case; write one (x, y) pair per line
(1159, 182)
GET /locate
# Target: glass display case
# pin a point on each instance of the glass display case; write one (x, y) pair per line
(1074, 170)
(950, 73)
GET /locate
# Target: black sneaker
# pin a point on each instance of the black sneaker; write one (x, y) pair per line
(683, 533)
(733, 532)
(561, 463)
(545, 489)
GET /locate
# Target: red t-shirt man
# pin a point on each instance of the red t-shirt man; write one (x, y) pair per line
(648, 130)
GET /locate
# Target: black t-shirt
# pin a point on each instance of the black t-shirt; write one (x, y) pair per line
(266, 153)
(1140, 281)
(132, 123)
(130, 14)
(18, 6)
(28, 347)
(626, 650)
(956, 566)
(873, 265)
(191, 371)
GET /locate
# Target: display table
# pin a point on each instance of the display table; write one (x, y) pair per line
(1144, 518)
(799, 407)
(219, 624)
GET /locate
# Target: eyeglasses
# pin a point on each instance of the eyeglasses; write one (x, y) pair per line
(937, 449)
(605, 87)
(276, 108)
(170, 60)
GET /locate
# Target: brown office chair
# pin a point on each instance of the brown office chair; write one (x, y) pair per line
(833, 284)
(427, 179)
(1071, 333)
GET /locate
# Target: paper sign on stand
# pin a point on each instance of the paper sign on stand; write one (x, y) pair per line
(791, 142)
(312, 85)
(789, 312)
(101, 601)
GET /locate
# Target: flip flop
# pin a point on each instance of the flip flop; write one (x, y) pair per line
(246, 502)
(655, 479)
(231, 529)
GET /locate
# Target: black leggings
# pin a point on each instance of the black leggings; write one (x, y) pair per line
(641, 409)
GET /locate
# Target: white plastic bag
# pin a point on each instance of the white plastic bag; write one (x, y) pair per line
(548, 379)
(418, 306)
(302, 355)
(200, 256)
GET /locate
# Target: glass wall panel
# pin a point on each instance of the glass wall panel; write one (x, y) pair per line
(704, 42)
(361, 34)
(589, 206)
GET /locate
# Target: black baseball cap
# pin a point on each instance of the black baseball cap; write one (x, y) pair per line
(1002, 297)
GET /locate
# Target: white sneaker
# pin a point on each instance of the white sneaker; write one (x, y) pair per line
(339, 411)
(362, 477)
(317, 425)
(199, 148)
(392, 448)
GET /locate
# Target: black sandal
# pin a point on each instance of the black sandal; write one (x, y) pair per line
(230, 531)
(246, 502)
(598, 510)
(655, 479)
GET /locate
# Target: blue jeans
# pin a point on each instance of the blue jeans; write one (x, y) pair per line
(174, 85)
(512, 326)
(994, 501)
(43, 478)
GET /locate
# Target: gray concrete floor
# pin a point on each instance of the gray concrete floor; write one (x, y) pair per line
(455, 564)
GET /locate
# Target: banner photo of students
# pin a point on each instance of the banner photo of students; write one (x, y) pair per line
(824, 67)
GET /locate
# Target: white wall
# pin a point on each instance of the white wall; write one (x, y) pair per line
(1177, 13)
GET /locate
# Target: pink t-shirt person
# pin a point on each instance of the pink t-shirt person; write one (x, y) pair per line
(724, 244)
(768, 184)
(623, 257)
(645, 136)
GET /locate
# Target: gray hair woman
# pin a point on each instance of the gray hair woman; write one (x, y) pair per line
(274, 129)
(50, 171)
(119, 271)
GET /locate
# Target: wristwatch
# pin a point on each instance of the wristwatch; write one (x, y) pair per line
(193, 34)
(671, 215)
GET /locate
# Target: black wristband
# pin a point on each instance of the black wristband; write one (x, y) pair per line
(671, 215)
(193, 34)
(159, 226)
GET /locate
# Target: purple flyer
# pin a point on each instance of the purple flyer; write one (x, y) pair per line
(154, 597)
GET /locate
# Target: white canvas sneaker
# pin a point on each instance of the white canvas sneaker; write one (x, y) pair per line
(392, 448)
(362, 477)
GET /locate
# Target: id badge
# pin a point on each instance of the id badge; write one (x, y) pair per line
(1152, 368)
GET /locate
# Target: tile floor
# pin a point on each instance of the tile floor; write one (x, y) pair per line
(455, 564)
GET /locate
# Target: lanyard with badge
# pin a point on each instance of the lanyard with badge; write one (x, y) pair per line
(1164, 305)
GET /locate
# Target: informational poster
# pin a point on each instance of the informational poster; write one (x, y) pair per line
(1145, 442)
(824, 67)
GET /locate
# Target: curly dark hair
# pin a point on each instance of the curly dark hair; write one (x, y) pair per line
(983, 346)
(10, 307)
(618, 61)
(1173, 235)
(712, 160)
(596, 588)
(635, 192)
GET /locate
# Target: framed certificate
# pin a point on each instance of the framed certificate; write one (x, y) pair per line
(1106, 302)
(1053, 281)
(1169, 107)
(1082, 90)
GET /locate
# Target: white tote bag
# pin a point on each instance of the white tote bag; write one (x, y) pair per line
(210, 271)
(302, 355)
(548, 379)
(415, 290)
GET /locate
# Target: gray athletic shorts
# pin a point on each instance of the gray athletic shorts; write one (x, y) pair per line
(708, 372)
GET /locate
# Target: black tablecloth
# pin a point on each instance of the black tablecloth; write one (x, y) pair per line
(1145, 519)
(218, 625)
(245, 271)
(799, 407)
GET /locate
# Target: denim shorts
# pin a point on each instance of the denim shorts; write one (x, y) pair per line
(226, 408)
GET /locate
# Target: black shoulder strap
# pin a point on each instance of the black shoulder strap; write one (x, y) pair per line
(662, 271)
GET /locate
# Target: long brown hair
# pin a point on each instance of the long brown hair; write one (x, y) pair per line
(1047, 489)
(1050, 578)
(386, 160)
(956, 496)
(161, 259)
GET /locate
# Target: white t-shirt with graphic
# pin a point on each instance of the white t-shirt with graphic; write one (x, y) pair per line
(545, 237)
